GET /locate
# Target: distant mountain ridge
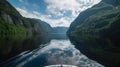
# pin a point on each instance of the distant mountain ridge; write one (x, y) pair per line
(59, 29)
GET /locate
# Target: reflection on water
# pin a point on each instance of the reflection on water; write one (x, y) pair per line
(57, 51)
(100, 49)
(12, 45)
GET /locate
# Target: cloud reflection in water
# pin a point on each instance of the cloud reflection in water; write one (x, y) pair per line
(56, 52)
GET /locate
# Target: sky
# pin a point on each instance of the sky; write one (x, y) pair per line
(55, 12)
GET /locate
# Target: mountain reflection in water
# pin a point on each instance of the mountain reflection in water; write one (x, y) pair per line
(57, 51)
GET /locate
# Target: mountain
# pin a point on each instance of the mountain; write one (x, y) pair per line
(15, 31)
(100, 22)
(102, 19)
(42, 26)
(11, 22)
(59, 29)
(102, 6)
(59, 33)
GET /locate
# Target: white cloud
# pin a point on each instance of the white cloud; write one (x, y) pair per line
(64, 21)
(59, 9)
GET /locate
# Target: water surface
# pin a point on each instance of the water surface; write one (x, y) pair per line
(53, 51)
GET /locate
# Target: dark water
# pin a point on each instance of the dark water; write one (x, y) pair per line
(40, 51)
(98, 48)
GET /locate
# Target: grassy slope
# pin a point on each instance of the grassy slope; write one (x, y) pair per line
(16, 28)
(7, 28)
(104, 22)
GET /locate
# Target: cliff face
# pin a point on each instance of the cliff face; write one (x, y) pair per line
(11, 22)
(98, 28)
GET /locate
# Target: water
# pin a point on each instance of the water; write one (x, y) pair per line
(52, 51)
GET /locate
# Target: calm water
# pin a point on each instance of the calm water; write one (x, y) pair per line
(49, 51)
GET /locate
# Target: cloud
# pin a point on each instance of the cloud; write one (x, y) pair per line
(64, 21)
(68, 10)
(59, 12)
(60, 7)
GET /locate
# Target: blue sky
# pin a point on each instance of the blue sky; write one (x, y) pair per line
(54, 12)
